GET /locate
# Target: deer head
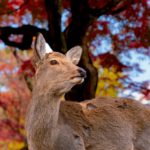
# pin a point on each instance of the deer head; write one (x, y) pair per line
(56, 72)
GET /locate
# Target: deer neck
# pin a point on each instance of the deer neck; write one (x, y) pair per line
(47, 105)
(43, 116)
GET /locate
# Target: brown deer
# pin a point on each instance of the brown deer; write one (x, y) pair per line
(98, 124)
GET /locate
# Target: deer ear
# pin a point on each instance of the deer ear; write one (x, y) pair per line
(74, 54)
(40, 48)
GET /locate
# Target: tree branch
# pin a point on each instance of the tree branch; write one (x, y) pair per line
(117, 5)
(27, 31)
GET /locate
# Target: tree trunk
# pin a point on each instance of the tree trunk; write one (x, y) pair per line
(74, 35)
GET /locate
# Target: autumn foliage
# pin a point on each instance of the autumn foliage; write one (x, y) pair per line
(14, 97)
(110, 32)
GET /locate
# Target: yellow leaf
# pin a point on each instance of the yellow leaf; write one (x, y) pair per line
(105, 72)
(112, 92)
(109, 82)
(120, 74)
(15, 145)
(113, 75)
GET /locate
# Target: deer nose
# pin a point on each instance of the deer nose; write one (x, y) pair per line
(82, 72)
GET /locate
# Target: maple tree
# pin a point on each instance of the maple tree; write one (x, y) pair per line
(117, 26)
(81, 27)
(14, 97)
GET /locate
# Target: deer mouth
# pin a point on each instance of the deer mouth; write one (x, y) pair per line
(77, 79)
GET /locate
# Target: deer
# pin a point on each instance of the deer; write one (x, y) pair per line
(103, 123)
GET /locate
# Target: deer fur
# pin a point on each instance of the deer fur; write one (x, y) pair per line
(97, 124)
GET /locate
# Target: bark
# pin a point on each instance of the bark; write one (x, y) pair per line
(74, 36)
(56, 40)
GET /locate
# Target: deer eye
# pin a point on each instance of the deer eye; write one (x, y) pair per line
(54, 62)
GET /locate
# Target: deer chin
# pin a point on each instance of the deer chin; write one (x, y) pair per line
(77, 80)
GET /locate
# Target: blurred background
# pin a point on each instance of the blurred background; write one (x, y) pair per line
(114, 35)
